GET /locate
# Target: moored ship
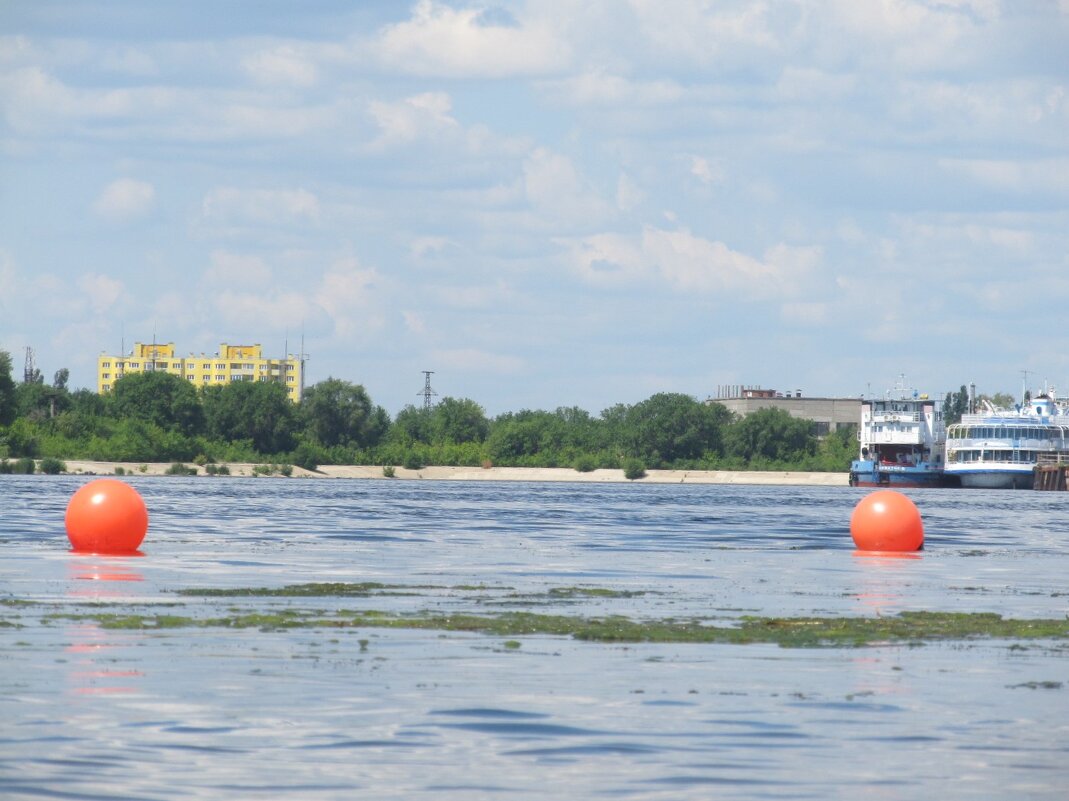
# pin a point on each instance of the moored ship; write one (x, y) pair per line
(901, 442)
(999, 448)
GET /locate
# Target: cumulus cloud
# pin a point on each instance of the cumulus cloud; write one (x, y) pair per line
(125, 199)
(470, 42)
(283, 64)
(473, 360)
(267, 206)
(102, 291)
(425, 115)
(554, 187)
(236, 269)
(597, 88)
(705, 171)
(1040, 175)
(691, 263)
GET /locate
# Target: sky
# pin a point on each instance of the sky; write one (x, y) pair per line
(547, 203)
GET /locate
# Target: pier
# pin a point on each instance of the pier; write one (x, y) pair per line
(1050, 474)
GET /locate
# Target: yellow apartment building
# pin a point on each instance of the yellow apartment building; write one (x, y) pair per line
(231, 363)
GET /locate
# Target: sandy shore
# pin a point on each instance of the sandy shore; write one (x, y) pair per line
(494, 474)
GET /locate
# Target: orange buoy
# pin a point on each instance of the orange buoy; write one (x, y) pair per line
(886, 520)
(106, 516)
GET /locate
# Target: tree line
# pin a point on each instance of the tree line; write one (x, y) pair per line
(159, 417)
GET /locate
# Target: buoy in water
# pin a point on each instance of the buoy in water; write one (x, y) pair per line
(886, 520)
(106, 516)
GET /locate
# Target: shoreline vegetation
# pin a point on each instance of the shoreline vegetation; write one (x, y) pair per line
(161, 418)
(448, 473)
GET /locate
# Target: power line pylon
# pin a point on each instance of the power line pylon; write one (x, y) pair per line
(427, 392)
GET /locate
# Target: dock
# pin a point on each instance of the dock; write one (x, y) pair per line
(1050, 474)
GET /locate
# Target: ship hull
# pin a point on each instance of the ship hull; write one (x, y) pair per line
(996, 479)
(866, 474)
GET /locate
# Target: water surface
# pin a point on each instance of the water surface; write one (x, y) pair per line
(213, 713)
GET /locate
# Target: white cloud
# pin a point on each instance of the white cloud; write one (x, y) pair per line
(346, 292)
(628, 194)
(558, 193)
(414, 322)
(236, 270)
(124, 199)
(1046, 175)
(284, 65)
(268, 206)
(705, 171)
(442, 41)
(691, 263)
(805, 313)
(102, 291)
(473, 360)
(476, 297)
(600, 89)
(417, 117)
(424, 246)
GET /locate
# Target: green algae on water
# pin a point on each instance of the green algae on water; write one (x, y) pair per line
(800, 632)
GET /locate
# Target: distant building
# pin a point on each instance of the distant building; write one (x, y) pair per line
(231, 363)
(829, 414)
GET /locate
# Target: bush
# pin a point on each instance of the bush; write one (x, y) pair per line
(286, 470)
(633, 469)
(307, 456)
(388, 471)
(585, 463)
(24, 466)
(216, 469)
(120, 471)
(413, 461)
(179, 469)
(52, 466)
(5, 467)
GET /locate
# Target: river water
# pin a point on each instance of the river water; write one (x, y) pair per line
(307, 713)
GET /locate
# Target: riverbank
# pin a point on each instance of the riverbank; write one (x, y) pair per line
(492, 474)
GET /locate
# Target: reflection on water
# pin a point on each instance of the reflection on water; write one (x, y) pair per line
(207, 713)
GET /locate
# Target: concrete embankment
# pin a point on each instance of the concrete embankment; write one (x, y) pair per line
(497, 474)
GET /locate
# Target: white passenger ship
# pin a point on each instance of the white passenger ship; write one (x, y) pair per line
(999, 449)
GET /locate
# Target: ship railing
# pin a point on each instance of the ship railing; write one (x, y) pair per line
(1055, 458)
(1002, 444)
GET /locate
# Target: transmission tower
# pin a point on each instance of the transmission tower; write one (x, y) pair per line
(29, 372)
(427, 392)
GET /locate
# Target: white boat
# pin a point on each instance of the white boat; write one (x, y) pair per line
(901, 441)
(999, 448)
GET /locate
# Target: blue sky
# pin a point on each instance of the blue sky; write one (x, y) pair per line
(547, 203)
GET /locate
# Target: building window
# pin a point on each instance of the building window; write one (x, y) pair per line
(107, 387)
(107, 376)
(134, 365)
(105, 364)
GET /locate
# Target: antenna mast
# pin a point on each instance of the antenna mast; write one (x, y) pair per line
(29, 371)
(427, 392)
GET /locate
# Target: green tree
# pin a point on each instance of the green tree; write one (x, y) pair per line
(258, 411)
(955, 405)
(670, 426)
(771, 434)
(458, 420)
(412, 424)
(337, 412)
(160, 398)
(8, 399)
